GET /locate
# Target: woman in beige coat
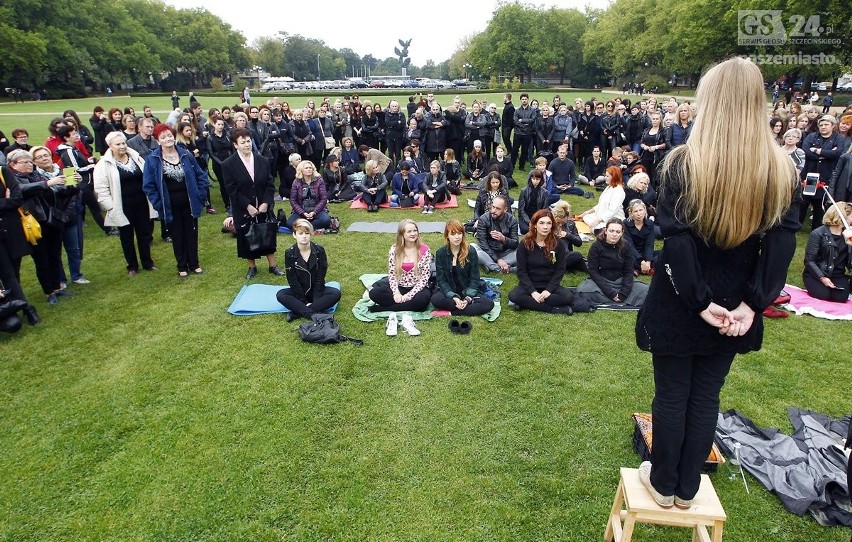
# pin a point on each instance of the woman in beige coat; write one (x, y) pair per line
(118, 185)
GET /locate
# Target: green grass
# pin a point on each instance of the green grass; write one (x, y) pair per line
(140, 410)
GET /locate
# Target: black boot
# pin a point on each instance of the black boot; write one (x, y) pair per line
(32, 315)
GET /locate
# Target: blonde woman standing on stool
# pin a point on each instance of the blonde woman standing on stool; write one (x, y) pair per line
(729, 228)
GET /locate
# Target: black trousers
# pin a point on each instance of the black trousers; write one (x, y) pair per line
(685, 409)
(10, 273)
(142, 228)
(522, 143)
(226, 200)
(382, 296)
(184, 230)
(300, 306)
(479, 306)
(506, 136)
(819, 290)
(394, 147)
(560, 297)
(47, 255)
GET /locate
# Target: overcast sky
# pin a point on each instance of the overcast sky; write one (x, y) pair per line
(435, 27)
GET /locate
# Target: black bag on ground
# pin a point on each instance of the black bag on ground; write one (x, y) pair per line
(261, 236)
(323, 329)
(406, 201)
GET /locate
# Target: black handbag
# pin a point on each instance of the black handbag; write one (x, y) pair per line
(406, 201)
(261, 236)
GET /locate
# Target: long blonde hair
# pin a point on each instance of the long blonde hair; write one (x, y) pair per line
(736, 181)
(399, 250)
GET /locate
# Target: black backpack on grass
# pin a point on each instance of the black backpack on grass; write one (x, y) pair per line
(323, 329)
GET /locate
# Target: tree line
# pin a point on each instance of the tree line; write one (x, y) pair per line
(66, 47)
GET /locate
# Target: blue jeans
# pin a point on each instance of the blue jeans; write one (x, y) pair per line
(71, 242)
(321, 220)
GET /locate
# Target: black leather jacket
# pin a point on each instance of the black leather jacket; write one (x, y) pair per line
(821, 254)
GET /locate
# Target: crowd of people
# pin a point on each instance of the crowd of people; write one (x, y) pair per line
(414, 156)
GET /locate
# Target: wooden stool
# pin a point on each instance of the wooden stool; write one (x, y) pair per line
(633, 504)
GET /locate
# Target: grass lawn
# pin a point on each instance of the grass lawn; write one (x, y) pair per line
(140, 410)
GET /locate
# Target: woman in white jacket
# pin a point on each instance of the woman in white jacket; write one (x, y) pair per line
(118, 185)
(610, 204)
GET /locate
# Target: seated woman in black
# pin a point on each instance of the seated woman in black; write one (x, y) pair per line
(566, 232)
(503, 165)
(533, 198)
(373, 186)
(306, 265)
(433, 187)
(457, 268)
(640, 233)
(494, 186)
(541, 265)
(611, 270)
(828, 256)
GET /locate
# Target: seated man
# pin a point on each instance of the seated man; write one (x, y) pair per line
(497, 237)
(564, 176)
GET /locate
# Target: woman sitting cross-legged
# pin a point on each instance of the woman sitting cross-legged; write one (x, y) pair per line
(541, 264)
(828, 256)
(459, 289)
(406, 288)
(610, 203)
(611, 270)
(493, 186)
(404, 186)
(433, 187)
(640, 233)
(306, 265)
(373, 186)
(308, 197)
(566, 232)
(533, 198)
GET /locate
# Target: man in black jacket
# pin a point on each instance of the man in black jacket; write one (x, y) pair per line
(497, 238)
(524, 119)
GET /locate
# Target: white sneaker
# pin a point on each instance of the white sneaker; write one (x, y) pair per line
(425, 210)
(665, 501)
(408, 325)
(390, 331)
(82, 280)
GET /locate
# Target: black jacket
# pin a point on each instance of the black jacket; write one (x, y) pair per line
(691, 274)
(840, 185)
(524, 119)
(821, 255)
(507, 120)
(306, 279)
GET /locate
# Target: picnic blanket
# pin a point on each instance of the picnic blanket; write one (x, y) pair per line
(260, 299)
(358, 203)
(801, 303)
(391, 227)
(362, 312)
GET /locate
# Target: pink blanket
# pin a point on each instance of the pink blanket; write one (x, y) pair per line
(802, 303)
(358, 203)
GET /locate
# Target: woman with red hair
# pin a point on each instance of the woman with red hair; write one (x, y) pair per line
(541, 265)
(610, 204)
(176, 187)
(459, 289)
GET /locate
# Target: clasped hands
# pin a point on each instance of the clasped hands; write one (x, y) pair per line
(254, 211)
(734, 323)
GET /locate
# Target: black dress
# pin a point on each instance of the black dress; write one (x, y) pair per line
(243, 192)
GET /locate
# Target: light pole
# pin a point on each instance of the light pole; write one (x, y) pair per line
(318, 67)
(467, 67)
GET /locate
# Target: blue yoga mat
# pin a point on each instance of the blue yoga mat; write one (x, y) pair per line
(260, 299)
